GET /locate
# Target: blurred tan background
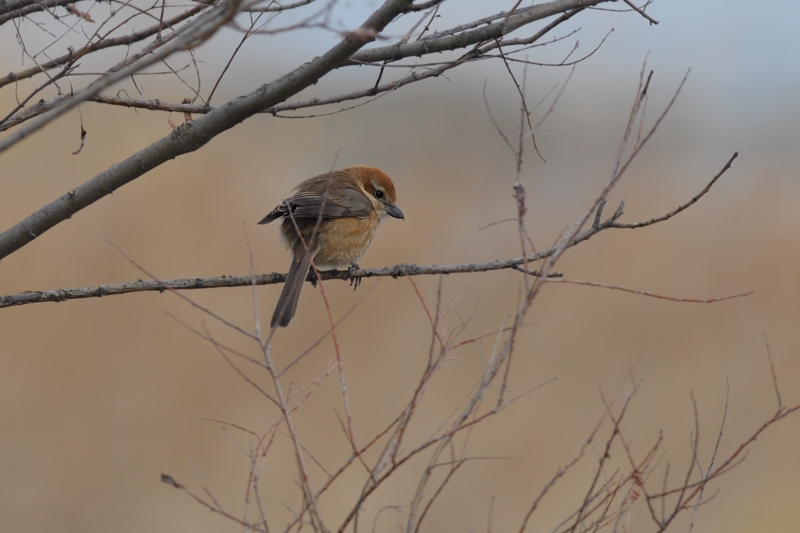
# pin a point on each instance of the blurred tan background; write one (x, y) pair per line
(99, 397)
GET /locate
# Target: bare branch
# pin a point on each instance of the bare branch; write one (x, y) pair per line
(190, 36)
(653, 295)
(774, 375)
(101, 44)
(98, 291)
(16, 9)
(462, 39)
(277, 7)
(680, 208)
(641, 12)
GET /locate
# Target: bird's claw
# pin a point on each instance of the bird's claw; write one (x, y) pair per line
(355, 279)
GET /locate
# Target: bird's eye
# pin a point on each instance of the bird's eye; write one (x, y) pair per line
(379, 194)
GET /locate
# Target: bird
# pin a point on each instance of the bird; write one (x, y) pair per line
(330, 221)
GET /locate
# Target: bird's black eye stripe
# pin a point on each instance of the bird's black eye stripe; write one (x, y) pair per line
(378, 194)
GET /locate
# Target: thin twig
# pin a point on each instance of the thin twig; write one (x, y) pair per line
(774, 374)
(654, 295)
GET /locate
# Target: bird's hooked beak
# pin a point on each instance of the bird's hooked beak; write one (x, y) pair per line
(394, 211)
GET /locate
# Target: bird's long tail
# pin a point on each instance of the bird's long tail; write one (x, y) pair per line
(287, 303)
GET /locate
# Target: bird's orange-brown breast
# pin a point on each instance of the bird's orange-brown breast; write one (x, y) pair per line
(343, 241)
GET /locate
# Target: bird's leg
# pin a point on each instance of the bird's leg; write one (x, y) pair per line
(355, 280)
(312, 277)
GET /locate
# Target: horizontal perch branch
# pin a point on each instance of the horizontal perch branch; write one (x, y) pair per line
(97, 291)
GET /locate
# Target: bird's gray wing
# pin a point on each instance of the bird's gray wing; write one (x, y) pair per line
(319, 200)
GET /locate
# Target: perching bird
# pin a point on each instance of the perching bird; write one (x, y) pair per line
(330, 220)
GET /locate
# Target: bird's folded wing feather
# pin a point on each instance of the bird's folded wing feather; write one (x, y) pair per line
(321, 198)
(347, 203)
